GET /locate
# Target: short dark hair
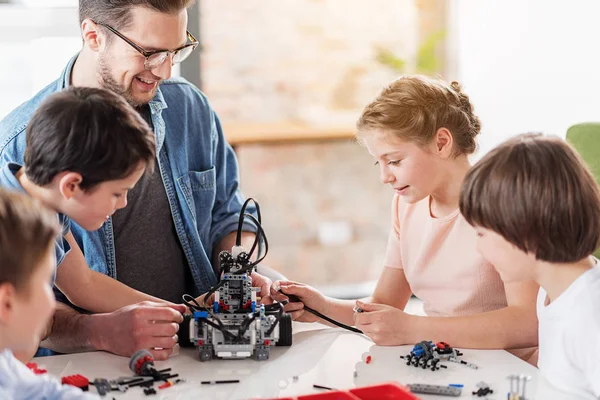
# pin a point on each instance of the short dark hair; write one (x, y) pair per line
(537, 193)
(27, 230)
(117, 12)
(93, 132)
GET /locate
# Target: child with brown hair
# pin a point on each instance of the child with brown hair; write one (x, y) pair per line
(536, 209)
(420, 132)
(27, 261)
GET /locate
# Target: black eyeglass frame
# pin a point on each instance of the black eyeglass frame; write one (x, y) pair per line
(148, 54)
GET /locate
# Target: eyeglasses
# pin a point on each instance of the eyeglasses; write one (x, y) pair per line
(154, 59)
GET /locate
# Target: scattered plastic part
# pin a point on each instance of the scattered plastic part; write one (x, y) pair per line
(386, 391)
(427, 355)
(149, 391)
(518, 392)
(450, 390)
(79, 381)
(102, 385)
(34, 368)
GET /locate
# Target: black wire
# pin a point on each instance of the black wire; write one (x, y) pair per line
(194, 305)
(260, 234)
(221, 326)
(238, 238)
(277, 319)
(256, 237)
(246, 324)
(318, 314)
(333, 321)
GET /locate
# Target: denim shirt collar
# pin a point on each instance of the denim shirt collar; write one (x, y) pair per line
(9, 179)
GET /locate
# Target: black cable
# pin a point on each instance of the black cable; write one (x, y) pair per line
(277, 319)
(193, 304)
(318, 314)
(238, 237)
(246, 324)
(221, 326)
(333, 321)
(260, 234)
(256, 238)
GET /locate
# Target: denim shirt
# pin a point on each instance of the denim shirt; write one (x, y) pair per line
(198, 168)
(9, 181)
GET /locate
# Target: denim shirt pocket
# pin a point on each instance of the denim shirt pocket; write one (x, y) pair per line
(199, 191)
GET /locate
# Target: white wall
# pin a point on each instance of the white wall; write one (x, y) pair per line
(37, 39)
(528, 65)
(35, 45)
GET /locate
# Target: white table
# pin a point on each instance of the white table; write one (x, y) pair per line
(319, 355)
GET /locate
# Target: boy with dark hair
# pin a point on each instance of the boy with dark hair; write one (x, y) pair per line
(27, 261)
(86, 148)
(536, 209)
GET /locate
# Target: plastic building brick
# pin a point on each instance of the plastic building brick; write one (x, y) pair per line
(427, 355)
(482, 392)
(518, 384)
(102, 386)
(34, 368)
(439, 390)
(78, 381)
(149, 391)
(236, 326)
(386, 391)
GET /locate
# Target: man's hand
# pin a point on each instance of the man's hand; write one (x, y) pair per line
(385, 325)
(146, 325)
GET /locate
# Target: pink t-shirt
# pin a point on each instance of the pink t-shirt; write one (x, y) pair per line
(441, 262)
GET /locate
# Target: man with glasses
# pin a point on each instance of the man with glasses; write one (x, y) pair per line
(166, 240)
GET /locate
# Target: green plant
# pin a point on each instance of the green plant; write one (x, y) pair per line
(427, 60)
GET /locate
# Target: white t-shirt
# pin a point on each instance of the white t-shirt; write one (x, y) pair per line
(17, 382)
(569, 358)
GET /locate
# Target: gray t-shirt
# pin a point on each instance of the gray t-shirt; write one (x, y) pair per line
(149, 256)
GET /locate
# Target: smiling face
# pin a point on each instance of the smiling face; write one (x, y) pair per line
(412, 170)
(121, 67)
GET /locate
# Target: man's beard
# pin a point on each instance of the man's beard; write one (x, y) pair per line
(107, 82)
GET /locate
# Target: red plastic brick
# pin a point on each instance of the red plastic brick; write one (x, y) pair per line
(329, 396)
(388, 391)
(77, 380)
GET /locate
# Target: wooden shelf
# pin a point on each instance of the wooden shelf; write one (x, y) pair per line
(248, 133)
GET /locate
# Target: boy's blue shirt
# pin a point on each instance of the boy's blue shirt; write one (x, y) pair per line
(9, 181)
(198, 168)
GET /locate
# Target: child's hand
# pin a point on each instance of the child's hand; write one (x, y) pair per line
(385, 325)
(264, 284)
(300, 295)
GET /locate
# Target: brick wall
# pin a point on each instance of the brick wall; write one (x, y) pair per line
(311, 62)
(304, 187)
